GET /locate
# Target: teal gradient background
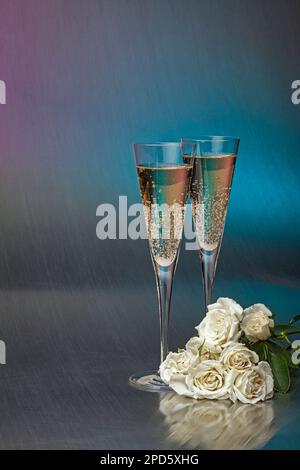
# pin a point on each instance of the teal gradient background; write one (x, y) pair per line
(85, 79)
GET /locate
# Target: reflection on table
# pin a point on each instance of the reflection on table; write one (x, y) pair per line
(217, 424)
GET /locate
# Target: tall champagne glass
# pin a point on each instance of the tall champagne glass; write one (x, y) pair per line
(214, 163)
(164, 178)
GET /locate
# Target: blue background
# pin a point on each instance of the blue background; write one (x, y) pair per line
(87, 79)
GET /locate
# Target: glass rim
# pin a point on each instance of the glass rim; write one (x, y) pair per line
(158, 144)
(210, 138)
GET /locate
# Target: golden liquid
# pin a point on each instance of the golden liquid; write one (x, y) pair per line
(209, 192)
(164, 192)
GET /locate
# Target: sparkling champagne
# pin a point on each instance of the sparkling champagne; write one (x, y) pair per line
(164, 191)
(209, 192)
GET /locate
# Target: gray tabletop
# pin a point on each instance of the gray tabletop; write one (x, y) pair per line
(69, 355)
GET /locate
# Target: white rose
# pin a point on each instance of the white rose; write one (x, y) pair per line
(253, 385)
(238, 356)
(256, 322)
(209, 379)
(176, 363)
(230, 305)
(198, 347)
(221, 324)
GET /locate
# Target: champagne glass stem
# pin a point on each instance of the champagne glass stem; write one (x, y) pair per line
(164, 283)
(208, 263)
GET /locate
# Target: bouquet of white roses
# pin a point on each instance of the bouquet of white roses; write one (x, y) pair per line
(238, 354)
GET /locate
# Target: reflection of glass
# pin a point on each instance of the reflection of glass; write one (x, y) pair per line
(219, 424)
(164, 179)
(213, 170)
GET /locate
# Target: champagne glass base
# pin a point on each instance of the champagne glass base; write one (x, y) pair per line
(149, 381)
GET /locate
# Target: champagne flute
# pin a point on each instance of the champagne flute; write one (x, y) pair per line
(164, 178)
(214, 163)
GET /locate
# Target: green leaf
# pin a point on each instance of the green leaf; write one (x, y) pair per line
(286, 352)
(275, 347)
(261, 349)
(279, 366)
(295, 319)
